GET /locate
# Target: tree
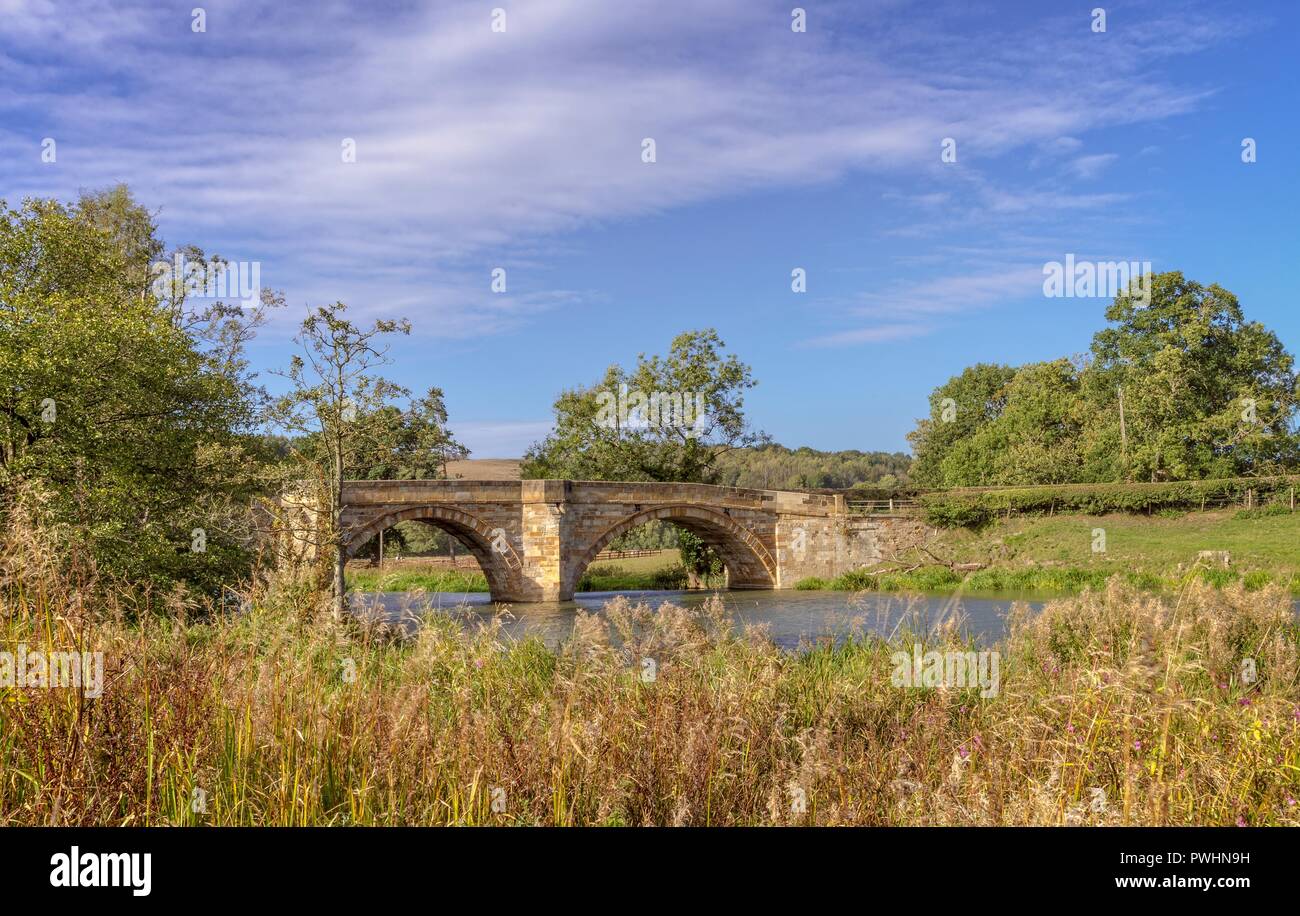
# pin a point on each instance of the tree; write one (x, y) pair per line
(959, 409)
(129, 408)
(1035, 437)
(340, 411)
(670, 419)
(1206, 393)
(398, 444)
(1180, 387)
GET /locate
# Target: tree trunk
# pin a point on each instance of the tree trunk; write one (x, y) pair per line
(340, 558)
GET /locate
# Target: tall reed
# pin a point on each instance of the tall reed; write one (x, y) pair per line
(1114, 707)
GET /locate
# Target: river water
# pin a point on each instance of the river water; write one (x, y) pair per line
(791, 619)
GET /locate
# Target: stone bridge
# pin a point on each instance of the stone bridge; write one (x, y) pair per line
(535, 538)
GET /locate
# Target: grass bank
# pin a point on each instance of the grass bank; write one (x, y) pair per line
(661, 571)
(1055, 554)
(410, 580)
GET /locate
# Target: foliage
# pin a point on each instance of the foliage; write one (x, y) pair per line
(699, 560)
(342, 417)
(973, 507)
(596, 440)
(593, 442)
(1182, 387)
(776, 467)
(653, 535)
(130, 408)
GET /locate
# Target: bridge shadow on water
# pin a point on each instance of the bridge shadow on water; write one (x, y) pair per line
(791, 619)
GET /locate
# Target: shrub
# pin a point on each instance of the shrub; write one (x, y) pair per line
(975, 507)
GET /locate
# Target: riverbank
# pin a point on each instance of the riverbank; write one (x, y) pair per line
(661, 571)
(1113, 708)
(1057, 555)
(1044, 555)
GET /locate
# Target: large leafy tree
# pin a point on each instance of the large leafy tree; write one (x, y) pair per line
(129, 410)
(1206, 393)
(959, 409)
(1180, 386)
(595, 440)
(394, 442)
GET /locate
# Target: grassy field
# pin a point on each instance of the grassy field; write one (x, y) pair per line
(1112, 708)
(409, 579)
(660, 571)
(1158, 544)
(1055, 554)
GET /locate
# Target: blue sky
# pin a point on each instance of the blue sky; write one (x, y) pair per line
(775, 150)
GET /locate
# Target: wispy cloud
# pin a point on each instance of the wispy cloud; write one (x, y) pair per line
(476, 149)
(878, 333)
(1089, 167)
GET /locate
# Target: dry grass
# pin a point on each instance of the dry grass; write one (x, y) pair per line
(1115, 707)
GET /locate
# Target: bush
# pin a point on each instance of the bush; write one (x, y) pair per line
(970, 508)
(812, 584)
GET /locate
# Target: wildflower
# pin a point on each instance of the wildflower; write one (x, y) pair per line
(1137, 745)
(1241, 821)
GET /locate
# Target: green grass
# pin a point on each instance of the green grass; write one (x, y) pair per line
(447, 580)
(1055, 554)
(1255, 540)
(615, 577)
(660, 571)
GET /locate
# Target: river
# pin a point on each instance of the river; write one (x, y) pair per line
(791, 618)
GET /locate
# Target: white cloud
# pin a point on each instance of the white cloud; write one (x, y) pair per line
(477, 149)
(879, 333)
(1089, 167)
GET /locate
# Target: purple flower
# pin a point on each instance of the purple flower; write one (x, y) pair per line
(1241, 821)
(1137, 745)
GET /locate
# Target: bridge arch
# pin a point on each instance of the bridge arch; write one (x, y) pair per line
(496, 556)
(749, 563)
